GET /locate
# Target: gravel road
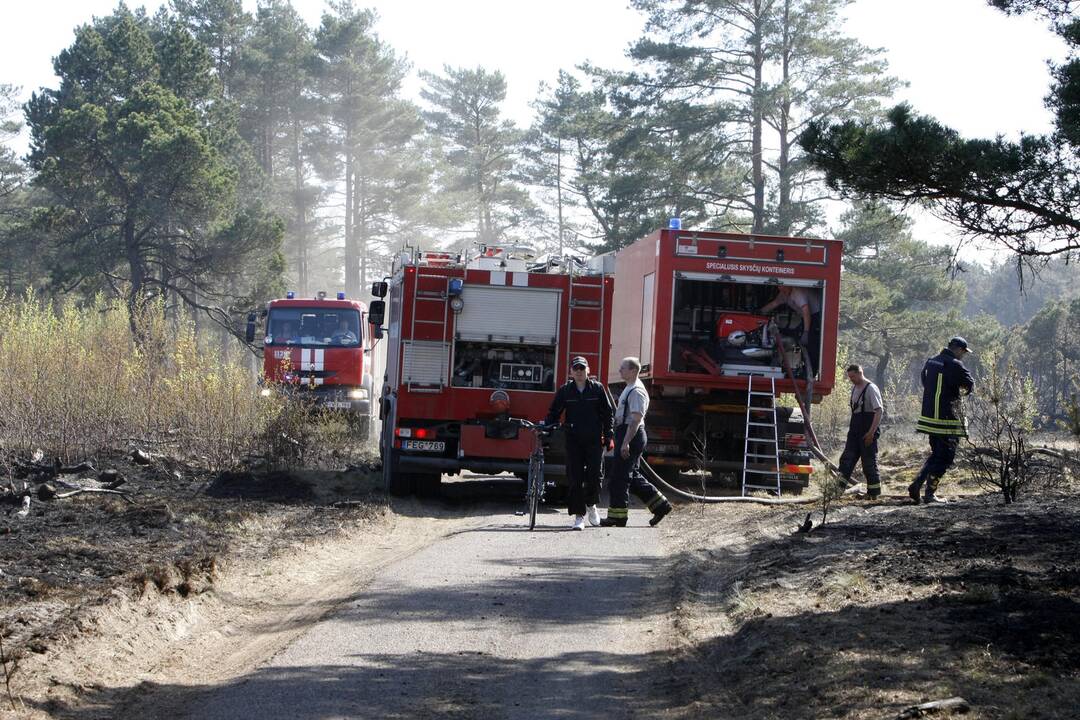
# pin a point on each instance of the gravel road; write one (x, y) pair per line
(490, 622)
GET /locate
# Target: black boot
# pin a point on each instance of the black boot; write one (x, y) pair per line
(612, 522)
(659, 514)
(913, 492)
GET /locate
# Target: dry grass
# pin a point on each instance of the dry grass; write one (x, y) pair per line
(76, 384)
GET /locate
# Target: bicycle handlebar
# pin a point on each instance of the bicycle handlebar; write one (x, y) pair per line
(541, 428)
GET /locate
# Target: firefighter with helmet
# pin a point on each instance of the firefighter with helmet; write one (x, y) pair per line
(944, 379)
(587, 424)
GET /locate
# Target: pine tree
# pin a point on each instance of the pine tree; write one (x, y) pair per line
(1020, 194)
(480, 149)
(763, 69)
(367, 145)
(143, 200)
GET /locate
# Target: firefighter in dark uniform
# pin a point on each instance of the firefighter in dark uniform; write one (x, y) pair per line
(944, 378)
(863, 432)
(587, 426)
(629, 443)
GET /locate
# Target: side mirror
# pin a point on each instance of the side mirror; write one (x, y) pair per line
(377, 312)
(379, 289)
(249, 333)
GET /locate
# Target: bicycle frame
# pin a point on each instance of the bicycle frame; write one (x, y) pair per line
(535, 484)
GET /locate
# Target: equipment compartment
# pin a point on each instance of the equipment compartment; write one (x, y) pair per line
(716, 328)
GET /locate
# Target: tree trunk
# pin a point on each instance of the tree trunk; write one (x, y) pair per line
(360, 225)
(757, 113)
(135, 300)
(301, 212)
(882, 369)
(785, 216)
(558, 190)
(352, 260)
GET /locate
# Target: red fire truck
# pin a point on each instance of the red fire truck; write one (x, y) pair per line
(320, 348)
(473, 341)
(688, 305)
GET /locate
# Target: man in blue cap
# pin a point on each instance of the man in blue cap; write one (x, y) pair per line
(944, 379)
(587, 416)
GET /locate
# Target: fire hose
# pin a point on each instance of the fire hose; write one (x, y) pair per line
(814, 447)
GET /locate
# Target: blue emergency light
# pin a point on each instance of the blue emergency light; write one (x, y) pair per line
(675, 224)
(290, 295)
(340, 295)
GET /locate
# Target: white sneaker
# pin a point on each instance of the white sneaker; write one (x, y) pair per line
(594, 516)
(579, 523)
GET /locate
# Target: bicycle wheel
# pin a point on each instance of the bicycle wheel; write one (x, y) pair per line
(536, 481)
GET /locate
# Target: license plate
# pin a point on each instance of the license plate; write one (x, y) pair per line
(337, 405)
(424, 445)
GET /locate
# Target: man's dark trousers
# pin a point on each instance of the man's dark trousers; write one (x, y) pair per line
(626, 478)
(856, 449)
(942, 455)
(584, 465)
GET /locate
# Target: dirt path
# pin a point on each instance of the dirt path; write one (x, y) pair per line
(490, 622)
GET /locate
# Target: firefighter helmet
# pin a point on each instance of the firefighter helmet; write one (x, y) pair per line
(737, 338)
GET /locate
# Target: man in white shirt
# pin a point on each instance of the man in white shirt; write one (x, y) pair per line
(806, 302)
(863, 432)
(629, 443)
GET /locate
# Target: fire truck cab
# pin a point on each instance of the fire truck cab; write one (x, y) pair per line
(473, 341)
(321, 349)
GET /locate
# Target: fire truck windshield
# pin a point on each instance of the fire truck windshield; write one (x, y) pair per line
(322, 327)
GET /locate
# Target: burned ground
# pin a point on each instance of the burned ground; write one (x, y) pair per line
(884, 607)
(68, 556)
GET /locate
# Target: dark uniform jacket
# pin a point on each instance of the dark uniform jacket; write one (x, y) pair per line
(943, 377)
(588, 414)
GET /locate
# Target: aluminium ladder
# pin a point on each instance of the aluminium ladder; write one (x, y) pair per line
(761, 451)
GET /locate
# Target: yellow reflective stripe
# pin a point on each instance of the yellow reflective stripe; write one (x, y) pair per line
(940, 431)
(940, 421)
(618, 513)
(937, 395)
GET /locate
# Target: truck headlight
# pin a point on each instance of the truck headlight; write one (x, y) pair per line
(266, 392)
(358, 394)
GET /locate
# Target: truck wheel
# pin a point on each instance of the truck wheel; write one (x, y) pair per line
(395, 482)
(428, 485)
(727, 479)
(790, 488)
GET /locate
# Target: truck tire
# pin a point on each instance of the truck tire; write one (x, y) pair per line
(395, 482)
(727, 479)
(789, 488)
(428, 485)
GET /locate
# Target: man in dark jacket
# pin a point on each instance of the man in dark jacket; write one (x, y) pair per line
(587, 426)
(944, 378)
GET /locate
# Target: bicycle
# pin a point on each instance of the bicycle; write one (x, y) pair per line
(535, 485)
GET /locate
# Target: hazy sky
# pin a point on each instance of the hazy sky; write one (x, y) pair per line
(967, 64)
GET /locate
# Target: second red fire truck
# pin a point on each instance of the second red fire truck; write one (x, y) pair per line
(321, 348)
(472, 341)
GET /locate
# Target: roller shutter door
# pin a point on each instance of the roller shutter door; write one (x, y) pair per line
(509, 315)
(425, 362)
